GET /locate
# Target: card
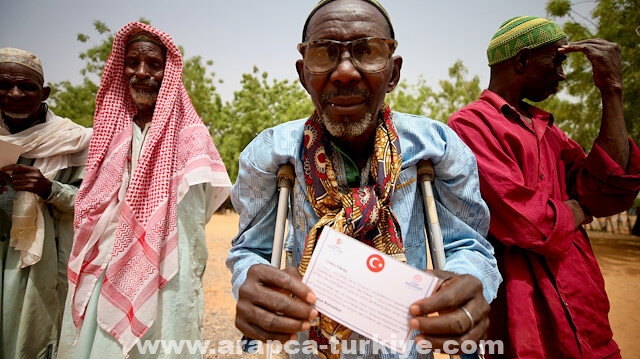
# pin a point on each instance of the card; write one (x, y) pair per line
(9, 153)
(364, 289)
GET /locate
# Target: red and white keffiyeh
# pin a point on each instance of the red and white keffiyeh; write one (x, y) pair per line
(178, 152)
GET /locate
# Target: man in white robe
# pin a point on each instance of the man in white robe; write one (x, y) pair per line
(37, 194)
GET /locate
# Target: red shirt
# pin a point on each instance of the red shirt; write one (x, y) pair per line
(553, 302)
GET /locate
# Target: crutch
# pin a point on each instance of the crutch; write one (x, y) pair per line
(426, 175)
(285, 178)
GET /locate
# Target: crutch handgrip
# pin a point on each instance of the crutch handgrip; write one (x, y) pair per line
(285, 178)
(286, 175)
(425, 171)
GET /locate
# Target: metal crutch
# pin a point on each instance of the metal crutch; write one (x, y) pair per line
(285, 179)
(426, 175)
(435, 242)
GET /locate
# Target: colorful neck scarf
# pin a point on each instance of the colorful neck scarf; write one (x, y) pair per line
(178, 152)
(363, 213)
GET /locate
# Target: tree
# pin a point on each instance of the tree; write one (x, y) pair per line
(259, 104)
(456, 93)
(420, 99)
(614, 20)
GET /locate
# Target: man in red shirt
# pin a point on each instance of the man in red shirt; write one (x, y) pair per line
(541, 187)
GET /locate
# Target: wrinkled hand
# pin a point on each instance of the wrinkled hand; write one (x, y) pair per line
(274, 304)
(579, 216)
(451, 323)
(27, 178)
(5, 180)
(605, 59)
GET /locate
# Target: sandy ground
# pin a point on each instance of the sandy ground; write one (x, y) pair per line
(617, 254)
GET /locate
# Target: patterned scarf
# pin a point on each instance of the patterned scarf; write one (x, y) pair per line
(363, 213)
(178, 152)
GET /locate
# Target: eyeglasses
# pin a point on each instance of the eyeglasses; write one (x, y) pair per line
(369, 54)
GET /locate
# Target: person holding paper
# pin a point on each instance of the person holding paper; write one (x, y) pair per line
(541, 188)
(37, 193)
(355, 164)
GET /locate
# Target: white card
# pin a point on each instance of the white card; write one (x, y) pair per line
(364, 289)
(9, 153)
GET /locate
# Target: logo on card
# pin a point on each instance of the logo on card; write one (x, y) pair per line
(375, 263)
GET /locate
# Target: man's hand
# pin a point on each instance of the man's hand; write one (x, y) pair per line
(606, 62)
(452, 323)
(274, 304)
(27, 178)
(5, 180)
(605, 59)
(579, 216)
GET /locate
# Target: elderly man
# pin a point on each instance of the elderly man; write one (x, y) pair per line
(36, 208)
(541, 188)
(353, 152)
(154, 178)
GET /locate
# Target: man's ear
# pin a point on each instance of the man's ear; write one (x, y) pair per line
(300, 70)
(46, 91)
(521, 59)
(395, 75)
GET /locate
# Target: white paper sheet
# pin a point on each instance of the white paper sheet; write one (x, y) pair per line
(9, 153)
(364, 289)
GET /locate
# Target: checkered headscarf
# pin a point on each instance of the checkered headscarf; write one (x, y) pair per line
(178, 152)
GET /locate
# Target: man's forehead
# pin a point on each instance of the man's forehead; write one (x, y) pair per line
(145, 36)
(348, 9)
(18, 72)
(348, 20)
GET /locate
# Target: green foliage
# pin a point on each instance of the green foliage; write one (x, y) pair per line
(558, 7)
(201, 89)
(76, 102)
(579, 113)
(420, 99)
(259, 104)
(411, 98)
(456, 92)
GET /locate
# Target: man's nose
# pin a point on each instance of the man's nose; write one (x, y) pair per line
(346, 70)
(15, 91)
(142, 70)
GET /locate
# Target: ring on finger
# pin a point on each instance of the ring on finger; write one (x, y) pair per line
(465, 311)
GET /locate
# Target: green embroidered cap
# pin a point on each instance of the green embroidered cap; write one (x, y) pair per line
(520, 32)
(325, 2)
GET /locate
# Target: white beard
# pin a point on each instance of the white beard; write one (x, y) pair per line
(347, 128)
(17, 116)
(143, 98)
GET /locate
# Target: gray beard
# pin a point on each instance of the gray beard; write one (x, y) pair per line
(143, 98)
(17, 116)
(347, 128)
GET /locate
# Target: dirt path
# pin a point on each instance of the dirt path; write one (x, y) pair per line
(618, 255)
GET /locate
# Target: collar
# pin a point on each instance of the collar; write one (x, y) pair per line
(502, 106)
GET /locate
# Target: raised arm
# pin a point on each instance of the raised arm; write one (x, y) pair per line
(607, 76)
